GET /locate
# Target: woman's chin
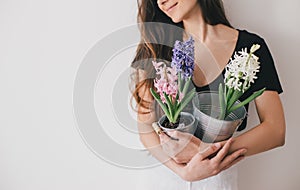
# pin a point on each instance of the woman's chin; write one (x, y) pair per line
(176, 20)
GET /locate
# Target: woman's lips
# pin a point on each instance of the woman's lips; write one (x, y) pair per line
(170, 8)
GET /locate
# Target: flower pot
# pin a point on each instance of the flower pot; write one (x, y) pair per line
(186, 123)
(210, 128)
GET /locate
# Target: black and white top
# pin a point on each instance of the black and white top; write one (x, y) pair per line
(267, 76)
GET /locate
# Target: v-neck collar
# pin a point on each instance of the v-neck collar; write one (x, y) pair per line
(204, 87)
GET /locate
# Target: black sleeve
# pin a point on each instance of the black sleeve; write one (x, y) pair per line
(267, 76)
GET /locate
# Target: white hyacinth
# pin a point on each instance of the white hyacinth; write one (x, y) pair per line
(241, 71)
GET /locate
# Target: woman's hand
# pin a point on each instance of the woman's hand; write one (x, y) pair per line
(201, 167)
(181, 147)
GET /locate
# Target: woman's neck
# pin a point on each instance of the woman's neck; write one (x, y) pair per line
(195, 25)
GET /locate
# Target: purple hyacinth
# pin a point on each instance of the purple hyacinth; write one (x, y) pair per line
(183, 57)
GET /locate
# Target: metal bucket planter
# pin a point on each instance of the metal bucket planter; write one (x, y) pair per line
(210, 128)
(186, 123)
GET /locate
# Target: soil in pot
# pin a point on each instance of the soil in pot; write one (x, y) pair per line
(182, 120)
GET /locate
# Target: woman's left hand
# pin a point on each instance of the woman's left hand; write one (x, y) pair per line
(181, 147)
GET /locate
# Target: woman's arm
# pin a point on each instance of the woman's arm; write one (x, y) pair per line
(200, 166)
(270, 133)
(148, 136)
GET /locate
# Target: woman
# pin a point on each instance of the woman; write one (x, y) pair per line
(215, 43)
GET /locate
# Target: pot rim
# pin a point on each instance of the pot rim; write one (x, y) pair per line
(181, 113)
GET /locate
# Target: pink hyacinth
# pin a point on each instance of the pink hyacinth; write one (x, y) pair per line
(166, 82)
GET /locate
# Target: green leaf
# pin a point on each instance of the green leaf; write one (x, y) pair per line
(162, 105)
(222, 102)
(235, 96)
(179, 82)
(177, 96)
(229, 94)
(184, 103)
(170, 105)
(186, 86)
(225, 93)
(249, 99)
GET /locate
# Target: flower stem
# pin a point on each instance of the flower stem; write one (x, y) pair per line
(222, 102)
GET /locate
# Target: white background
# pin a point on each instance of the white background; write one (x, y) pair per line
(42, 44)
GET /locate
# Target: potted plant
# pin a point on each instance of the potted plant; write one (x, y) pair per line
(173, 90)
(220, 113)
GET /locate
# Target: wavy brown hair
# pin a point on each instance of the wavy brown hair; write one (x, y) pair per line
(153, 38)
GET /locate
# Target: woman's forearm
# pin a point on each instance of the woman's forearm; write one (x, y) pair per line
(259, 139)
(270, 133)
(152, 143)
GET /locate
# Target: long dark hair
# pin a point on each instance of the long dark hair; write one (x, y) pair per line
(148, 11)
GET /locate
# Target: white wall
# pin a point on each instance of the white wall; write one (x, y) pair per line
(277, 22)
(42, 44)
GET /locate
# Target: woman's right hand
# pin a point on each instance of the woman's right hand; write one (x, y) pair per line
(180, 146)
(201, 166)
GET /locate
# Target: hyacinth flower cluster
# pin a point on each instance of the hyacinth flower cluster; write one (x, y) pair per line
(240, 73)
(172, 84)
(183, 58)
